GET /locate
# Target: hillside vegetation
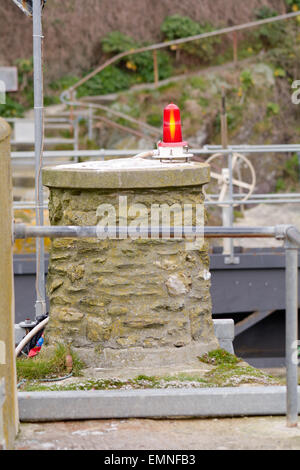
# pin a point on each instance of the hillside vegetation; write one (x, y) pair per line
(258, 88)
(73, 28)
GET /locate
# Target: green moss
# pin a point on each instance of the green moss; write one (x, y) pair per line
(219, 357)
(225, 370)
(146, 381)
(229, 375)
(223, 375)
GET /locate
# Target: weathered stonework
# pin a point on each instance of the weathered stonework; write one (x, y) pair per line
(127, 302)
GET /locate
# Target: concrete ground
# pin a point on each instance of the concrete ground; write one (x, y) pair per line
(246, 433)
(254, 433)
(267, 214)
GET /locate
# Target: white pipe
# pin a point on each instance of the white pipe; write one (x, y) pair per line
(30, 335)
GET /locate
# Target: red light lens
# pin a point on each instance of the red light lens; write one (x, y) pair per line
(172, 125)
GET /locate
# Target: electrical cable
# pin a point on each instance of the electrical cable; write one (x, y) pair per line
(30, 335)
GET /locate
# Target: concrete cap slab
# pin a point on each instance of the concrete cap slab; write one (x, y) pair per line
(126, 173)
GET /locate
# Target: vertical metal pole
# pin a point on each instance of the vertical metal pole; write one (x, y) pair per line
(76, 138)
(72, 114)
(40, 306)
(226, 210)
(291, 322)
(231, 204)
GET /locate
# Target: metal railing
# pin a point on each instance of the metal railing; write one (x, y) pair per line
(51, 121)
(27, 158)
(68, 96)
(287, 233)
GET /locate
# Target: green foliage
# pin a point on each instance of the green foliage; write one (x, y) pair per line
(50, 100)
(43, 367)
(280, 73)
(246, 79)
(116, 42)
(291, 169)
(219, 357)
(25, 66)
(140, 66)
(293, 5)
(110, 80)
(63, 83)
(144, 65)
(176, 27)
(231, 122)
(154, 119)
(12, 109)
(273, 109)
(229, 372)
(290, 174)
(16, 107)
(234, 113)
(280, 185)
(285, 58)
(198, 83)
(25, 69)
(270, 34)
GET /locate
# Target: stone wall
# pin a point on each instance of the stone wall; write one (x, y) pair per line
(111, 295)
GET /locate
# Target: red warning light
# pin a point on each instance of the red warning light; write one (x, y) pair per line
(172, 134)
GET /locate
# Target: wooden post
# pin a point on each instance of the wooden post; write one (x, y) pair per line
(235, 48)
(7, 314)
(155, 66)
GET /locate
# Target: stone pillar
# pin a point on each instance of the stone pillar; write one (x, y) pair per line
(7, 312)
(129, 303)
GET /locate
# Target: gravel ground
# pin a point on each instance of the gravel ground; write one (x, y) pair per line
(254, 433)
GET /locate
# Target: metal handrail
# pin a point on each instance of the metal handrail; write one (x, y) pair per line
(23, 231)
(287, 233)
(176, 42)
(67, 97)
(206, 150)
(28, 157)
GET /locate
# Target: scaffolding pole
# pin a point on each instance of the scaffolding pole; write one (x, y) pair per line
(40, 306)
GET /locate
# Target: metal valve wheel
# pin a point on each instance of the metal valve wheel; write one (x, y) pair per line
(243, 178)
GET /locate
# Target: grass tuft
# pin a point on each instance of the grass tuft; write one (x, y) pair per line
(47, 366)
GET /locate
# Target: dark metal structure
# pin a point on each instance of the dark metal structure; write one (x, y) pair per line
(255, 285)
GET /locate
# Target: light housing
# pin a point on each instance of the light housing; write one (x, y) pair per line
(173, 148)
(172, 133)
